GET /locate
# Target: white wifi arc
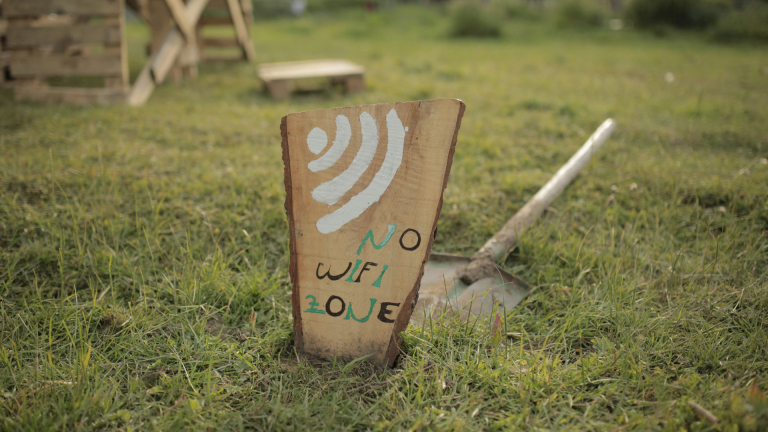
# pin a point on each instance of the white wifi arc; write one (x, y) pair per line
(333, 190)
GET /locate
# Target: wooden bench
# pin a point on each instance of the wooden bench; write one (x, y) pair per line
(281, 78)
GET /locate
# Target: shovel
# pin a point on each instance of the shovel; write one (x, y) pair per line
(477, 285)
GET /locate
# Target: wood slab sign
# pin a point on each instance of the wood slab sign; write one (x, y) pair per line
(364, 187)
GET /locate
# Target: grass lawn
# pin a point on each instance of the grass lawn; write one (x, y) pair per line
(144, 252)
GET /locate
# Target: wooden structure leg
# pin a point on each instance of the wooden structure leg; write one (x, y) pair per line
(354, 83)
(280, 89)
(164, 57)
(163, 16)
(243, 35)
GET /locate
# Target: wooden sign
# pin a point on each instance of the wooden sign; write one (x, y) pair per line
(364, 189)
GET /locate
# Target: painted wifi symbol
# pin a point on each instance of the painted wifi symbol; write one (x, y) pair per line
(333, 190)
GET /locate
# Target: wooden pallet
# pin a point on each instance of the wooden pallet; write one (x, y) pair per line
(66, 38)
(282, 78)
(4, 55)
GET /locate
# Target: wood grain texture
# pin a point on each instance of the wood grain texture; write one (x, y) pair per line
(215, 21)
(44, 44)
(363, 311)
(64, 65)
(219, 42)
(30, 37)
(308, 69)
(176, 8)
(218, 4)
(241, 29)
(77, 96)
(21, 8)
(124, 73)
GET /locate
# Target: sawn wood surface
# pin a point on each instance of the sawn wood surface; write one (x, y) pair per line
(353, 294)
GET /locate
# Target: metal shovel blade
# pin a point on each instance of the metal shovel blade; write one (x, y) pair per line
(443, 292)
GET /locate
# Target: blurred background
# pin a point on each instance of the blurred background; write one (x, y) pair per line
(144, 249)
(724, 20)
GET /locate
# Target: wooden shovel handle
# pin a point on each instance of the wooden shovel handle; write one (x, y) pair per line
(483, 261)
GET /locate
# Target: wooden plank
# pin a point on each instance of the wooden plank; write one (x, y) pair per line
(222, 5)
(309, 69)
(62, 65)
(189, 56)
(217, 4)
(162, 22)
(189, 72)
(22, 8)
(243, 35)
(28, 82)
(142, 88)
(114, 83)
(280, 89)
(247, 8)
(180, 18)
(30, 37)
(354, 83)
(83, 96)
(124, 73)
(20, 22)
(165, 58)
(215, 21)
(112, 49)
(221, 58)
(111, 20)
(220, 42)
(362, 219)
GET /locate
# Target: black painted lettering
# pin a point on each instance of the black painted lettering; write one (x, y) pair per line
(365, 268)
(328, 306)
(418, 240)
(384, 311)
(328, 273)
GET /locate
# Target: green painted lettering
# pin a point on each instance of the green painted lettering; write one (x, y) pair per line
(391, 231)
(352, 314)
(377, 284)
(357, 264)
(314, 303)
